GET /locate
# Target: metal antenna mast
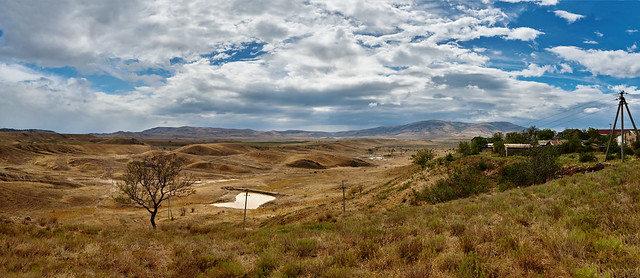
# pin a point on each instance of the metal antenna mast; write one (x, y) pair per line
(620, 111)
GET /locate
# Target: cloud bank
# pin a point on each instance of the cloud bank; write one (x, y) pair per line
(273, 64)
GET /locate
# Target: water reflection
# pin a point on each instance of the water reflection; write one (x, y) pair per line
(254, 200)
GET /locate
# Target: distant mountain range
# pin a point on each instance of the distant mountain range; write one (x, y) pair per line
(26, 130)
(424, 129)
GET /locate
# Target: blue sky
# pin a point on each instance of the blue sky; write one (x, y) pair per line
(315, 65)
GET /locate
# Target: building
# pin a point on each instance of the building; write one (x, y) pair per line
(543, 143)
(629, 138)
(513, 149)
(629, 135)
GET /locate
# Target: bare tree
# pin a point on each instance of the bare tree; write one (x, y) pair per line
(149, 182)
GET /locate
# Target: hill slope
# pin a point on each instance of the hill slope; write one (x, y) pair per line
(580, 226)
(434, 129)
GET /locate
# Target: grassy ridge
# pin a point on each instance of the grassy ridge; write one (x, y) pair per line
(586, 225)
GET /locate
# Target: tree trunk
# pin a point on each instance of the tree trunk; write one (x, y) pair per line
(153, 218)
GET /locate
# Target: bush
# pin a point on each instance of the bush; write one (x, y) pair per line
(303, 247)
(422, 157)
(587, 157)
(573, 145)
(449, 157)
(614, 150)
(498, 147)
(464, 148)
(541, 165)
(516, 174)
(410, 249)
(445, 160)
(628, 150)
(477, 144)
(544, 163)
(461, 184)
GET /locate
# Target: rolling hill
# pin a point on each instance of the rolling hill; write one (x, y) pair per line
(424, 129)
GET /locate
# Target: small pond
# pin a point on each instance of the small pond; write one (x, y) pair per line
(254, 200)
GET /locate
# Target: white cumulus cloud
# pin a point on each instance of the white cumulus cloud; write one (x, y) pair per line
(569, 17)
(616, 63)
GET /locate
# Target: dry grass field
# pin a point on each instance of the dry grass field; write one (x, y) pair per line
(73, 179)
(58, 218)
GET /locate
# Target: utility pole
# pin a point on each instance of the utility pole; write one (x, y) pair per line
(169, 207)
(344, 202)
(244, 220)
(620, 112)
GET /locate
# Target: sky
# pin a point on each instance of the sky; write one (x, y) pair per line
(78, 66)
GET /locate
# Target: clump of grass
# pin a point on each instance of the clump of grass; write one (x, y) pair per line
(292, 269)
(472, 266)
(303, 247)
(268, 261)
(410, 249)
(367, 249)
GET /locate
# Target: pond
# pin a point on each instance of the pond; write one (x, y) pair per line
(254, 200)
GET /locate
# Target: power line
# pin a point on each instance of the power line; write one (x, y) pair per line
(571, 120)
(540, 121)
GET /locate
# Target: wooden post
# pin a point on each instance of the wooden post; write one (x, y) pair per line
(244, 221)
(169, 208)
(622, 127)
(613, 128)
(344, 205)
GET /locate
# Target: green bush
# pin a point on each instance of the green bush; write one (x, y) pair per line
(464, 148)
(477, 144)
(472, 266)
(541, 165)
(449, 157)
(587, 157)
(573, 145)
(544, 163)
(498, 147)
(461, 183)
(483, 165)
(614, 150)
(516, 174)
(422, 157)
(293, 269)
(444, 160)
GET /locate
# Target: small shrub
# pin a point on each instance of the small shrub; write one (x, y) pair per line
(483, 165)
(436, 244)
(293, 269)
(471, 266)
(227, 269)
(422, 157)
(587, 157)
(498, 147)
(268, 262)
(304, 247)
(340, 272)
(458, 228)
(464, 148)
(541, 166)
(345, 259)
(516, 174)
(410, 249)
(544, 163)
(367, 249)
